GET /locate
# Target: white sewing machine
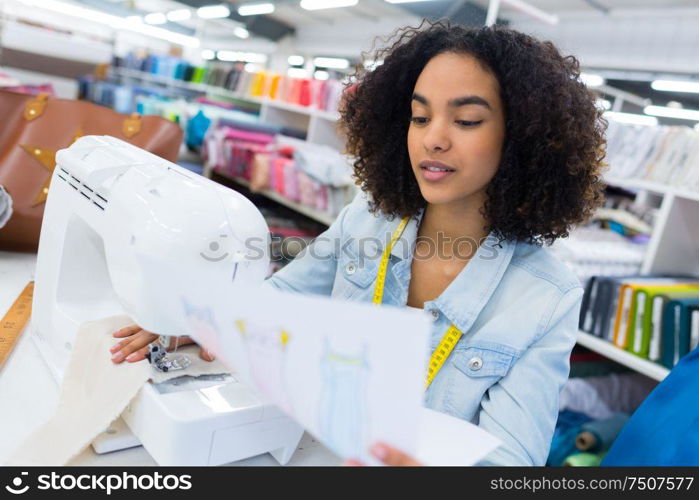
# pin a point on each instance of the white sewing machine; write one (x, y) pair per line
(117, 221)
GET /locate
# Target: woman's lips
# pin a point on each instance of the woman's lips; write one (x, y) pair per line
(433, 171)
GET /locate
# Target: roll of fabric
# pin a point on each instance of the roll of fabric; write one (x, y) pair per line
(5, 206)
(568, 426)
(598, 435)
(583, 460)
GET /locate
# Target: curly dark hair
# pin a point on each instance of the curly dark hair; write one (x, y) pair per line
(549, 178)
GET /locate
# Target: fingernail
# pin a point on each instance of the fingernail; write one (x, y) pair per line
(131, 356)
(118, 356)
(380, 451)
(114, 349)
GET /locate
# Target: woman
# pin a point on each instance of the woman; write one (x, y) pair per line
(473, 147)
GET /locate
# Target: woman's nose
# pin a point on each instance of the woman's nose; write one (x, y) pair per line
(436, 138)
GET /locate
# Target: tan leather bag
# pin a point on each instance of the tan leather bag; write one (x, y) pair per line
(33, 128)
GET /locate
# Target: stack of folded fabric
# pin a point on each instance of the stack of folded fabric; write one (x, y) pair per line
(313, 175)
(665, 154)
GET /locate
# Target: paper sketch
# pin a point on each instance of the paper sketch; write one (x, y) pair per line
(330, 365)
(343, 400)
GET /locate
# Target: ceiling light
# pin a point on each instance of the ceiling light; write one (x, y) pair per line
(255, 9)
(331, 62)
(249, 57)
(321, 75)
(179, 15)
(208, 54)
(296, 60)
(603, 104)
(675, 86)
(155, 18)
(326, 4)
(213, 11)
(631, 118)
(679, 113)
(241, 32)
(591, 80)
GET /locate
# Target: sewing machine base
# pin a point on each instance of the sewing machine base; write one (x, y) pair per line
(213, 425)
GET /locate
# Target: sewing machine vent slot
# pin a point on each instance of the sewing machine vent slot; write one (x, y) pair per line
(75, 179)
(72, 185)
(64, 179)
(86, 196)
(101, 198)
(98, 205)
(64, 171)
(88, 188)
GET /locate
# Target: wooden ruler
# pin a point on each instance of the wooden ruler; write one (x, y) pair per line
(13, 323)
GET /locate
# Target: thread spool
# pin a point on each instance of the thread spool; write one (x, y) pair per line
(600, 434)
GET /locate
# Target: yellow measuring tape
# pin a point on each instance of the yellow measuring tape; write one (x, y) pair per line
(14, 321)
(452, 335)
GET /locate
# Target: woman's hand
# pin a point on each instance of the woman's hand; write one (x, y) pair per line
(388, 456)
(134, 347)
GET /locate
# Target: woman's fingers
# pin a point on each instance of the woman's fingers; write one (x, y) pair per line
(127, 331)
(176, 342)
(391, 456)
(137, 355)
(352, 463)
(133, 344)
(206, 355)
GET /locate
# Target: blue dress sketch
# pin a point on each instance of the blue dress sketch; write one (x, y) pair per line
(343, 401)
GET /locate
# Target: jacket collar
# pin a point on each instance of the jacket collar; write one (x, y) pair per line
(470, 291)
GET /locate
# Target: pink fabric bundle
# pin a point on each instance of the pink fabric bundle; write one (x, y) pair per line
(291, 181)
(230, 133)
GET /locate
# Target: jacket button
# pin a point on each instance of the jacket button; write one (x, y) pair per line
(435, 314)
(475, 363)
(350, 268)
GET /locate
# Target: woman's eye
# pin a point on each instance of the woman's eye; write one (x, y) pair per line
(466, 123)
(418, 119)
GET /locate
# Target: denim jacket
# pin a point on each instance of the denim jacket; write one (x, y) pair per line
(515, 303)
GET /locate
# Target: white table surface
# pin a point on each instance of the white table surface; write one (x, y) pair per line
(29, 394)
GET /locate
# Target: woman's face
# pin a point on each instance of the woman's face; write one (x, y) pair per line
(457, 129)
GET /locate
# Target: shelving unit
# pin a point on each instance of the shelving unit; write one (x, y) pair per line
(316, 215)
(673, 249)
(320, 126)
(654, 187)
(609, 350)
(210, 89)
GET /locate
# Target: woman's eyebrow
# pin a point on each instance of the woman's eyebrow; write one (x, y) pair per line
(456, 102)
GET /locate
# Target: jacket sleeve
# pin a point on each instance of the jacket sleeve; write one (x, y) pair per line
(523, 415)
(313, 270)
